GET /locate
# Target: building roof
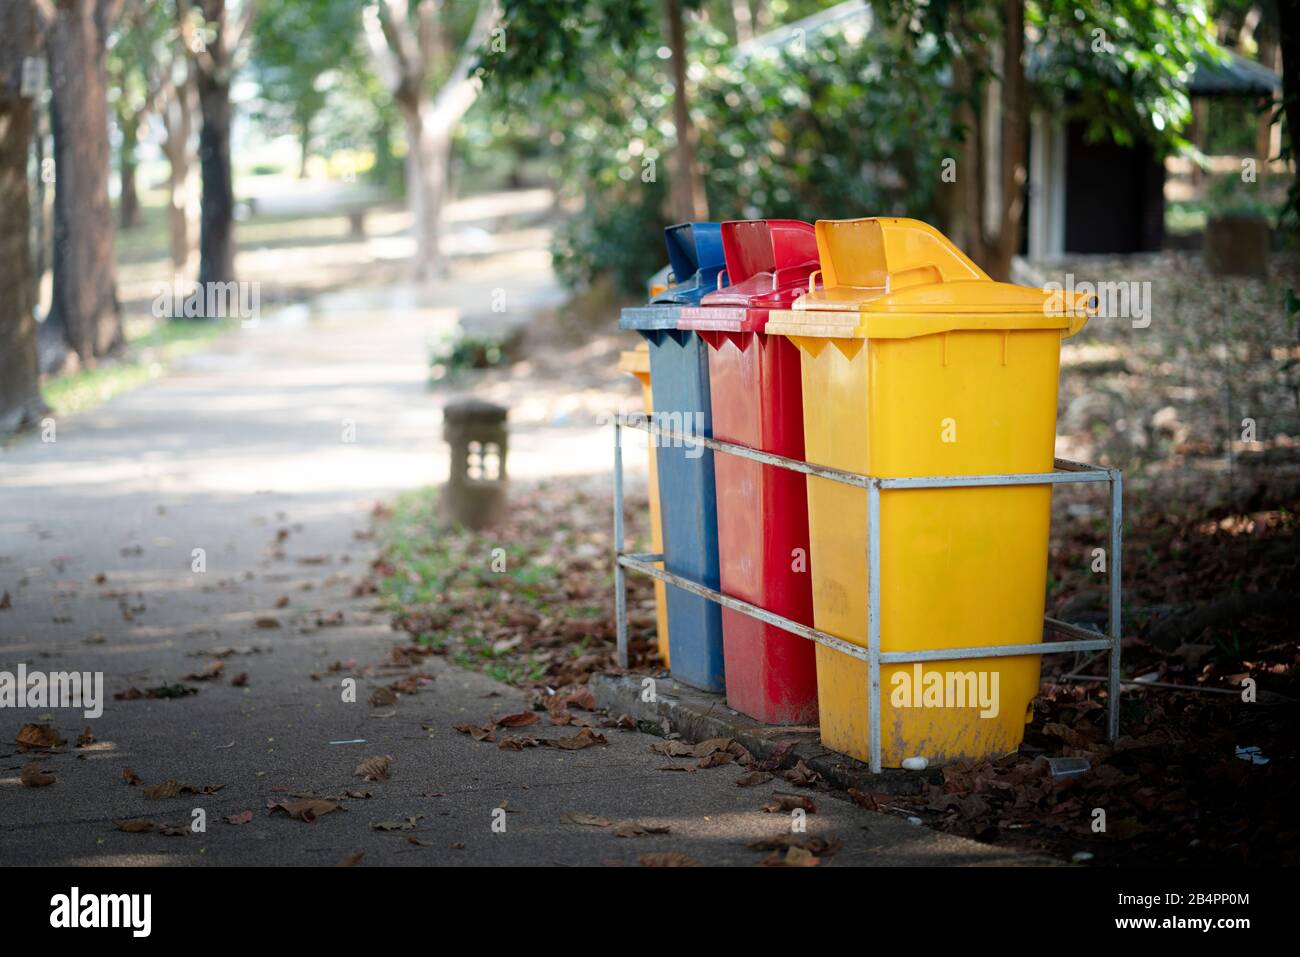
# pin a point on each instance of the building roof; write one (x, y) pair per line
(1236, 77)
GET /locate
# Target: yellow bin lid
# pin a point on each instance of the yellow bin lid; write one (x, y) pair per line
(892, 278)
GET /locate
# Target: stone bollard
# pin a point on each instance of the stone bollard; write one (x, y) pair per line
(475, 493)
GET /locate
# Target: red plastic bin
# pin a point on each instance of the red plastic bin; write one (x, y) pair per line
(756, 397)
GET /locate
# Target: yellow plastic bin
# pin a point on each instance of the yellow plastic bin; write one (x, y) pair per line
(637, 362)
(914, 363)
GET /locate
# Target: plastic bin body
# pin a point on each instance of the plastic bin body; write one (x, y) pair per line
(915, 364)
(679, 381)
(762, 510)
(637, 362)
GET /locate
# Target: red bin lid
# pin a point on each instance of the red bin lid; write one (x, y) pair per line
(768, 262)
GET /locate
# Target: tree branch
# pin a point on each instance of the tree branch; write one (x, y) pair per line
(461, 89)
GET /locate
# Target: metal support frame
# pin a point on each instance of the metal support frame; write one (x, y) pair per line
(1064, 472)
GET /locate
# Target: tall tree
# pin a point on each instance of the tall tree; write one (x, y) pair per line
(563, 43)
(412, 45)
(177, 109)
(137, 75)
(690, 203)
(215, 33)
(84, 314)
(20, 396)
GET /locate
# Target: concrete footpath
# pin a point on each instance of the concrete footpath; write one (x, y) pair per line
(268, 454)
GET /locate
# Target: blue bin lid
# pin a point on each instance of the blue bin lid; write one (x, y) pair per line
(696, 257)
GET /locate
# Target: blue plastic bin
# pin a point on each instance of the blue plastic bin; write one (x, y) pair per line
(679, 382)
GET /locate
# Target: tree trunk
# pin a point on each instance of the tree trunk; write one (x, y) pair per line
(128, 201)
(1289, 31)
(20, 396)
(1015, 135)
(85, 310)
(41, 232)
(690, 202)
(217, 216)
(428, 160)
(970, 171)
(304, 144)
(178, 124)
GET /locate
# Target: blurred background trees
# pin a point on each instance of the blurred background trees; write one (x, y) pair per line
(632, 113)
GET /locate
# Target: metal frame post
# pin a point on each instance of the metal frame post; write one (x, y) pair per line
(1116, 565)
(620, 582)
(873, 622)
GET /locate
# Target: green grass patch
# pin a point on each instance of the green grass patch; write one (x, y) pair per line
(151, 349)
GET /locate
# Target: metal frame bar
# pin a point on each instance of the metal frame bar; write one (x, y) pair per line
(1065, 471)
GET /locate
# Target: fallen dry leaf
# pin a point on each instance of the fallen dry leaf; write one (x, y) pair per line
(590, 820)
(212, 672)
(520, 719)
(32, 737)
(406, 825)
(34, 777)
(130, 777)
(86, 738)
(383, 696)
(267, 622)
(753, 778)
(351, 860)
(802, 775)
(583, 739)
(243, 817)
(711, 746)
(135, 825)
(673, 749)
(519, 742)
(820, 846)
(479, 732)
(307, 810)
(716, 759)
(240, 680)
(789, 802)
(793, 857)
(375, 768)
(172, 789)
(667, 859)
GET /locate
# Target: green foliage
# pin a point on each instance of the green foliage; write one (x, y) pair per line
(821, 128)
(1122, 65)
(302, 51)
(829, 128)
